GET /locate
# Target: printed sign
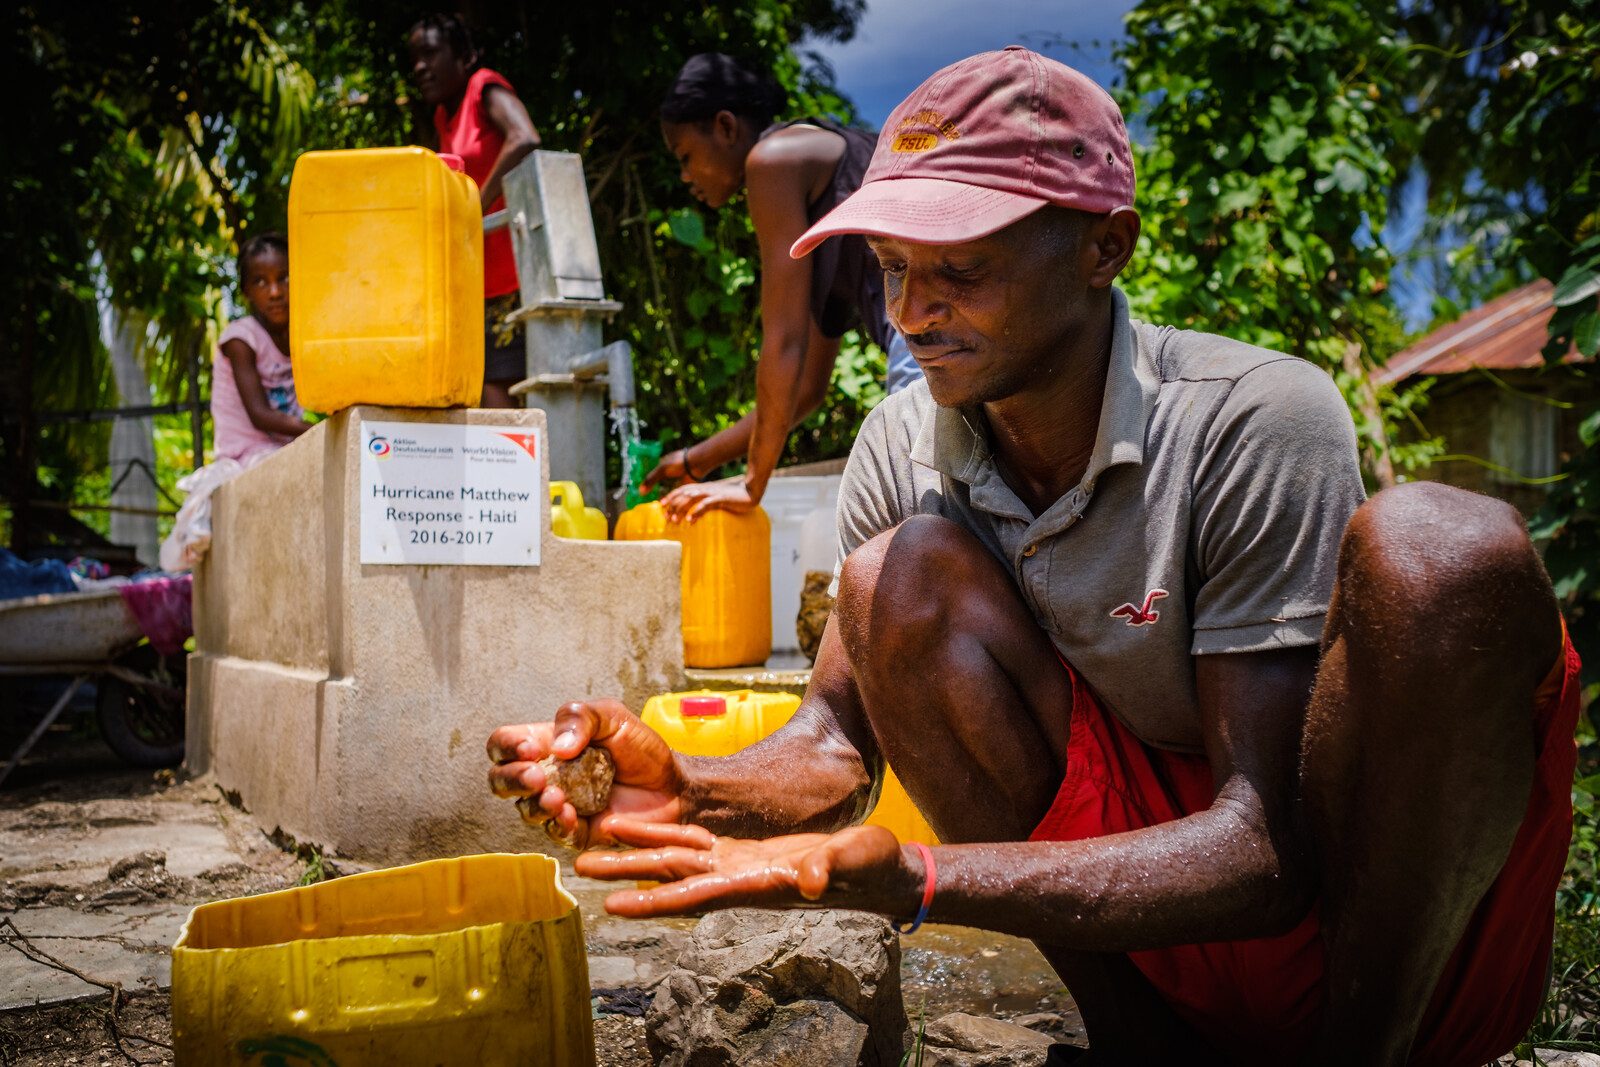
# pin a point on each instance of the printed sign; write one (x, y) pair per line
(436, 493)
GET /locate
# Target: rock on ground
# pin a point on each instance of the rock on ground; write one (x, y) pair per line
(775, 988)
(962, 1040)
(1550, 1057)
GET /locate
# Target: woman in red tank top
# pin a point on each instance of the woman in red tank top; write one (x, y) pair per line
(478, 117)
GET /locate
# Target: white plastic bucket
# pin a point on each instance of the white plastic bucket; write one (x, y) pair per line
(788, 501)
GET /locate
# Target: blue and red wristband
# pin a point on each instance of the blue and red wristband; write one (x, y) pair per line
(932, 875)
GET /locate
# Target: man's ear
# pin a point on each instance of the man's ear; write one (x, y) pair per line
(1111, 241)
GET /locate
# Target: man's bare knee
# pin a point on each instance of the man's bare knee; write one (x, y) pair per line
(1448, 567)
(908, 553)
(901, 582)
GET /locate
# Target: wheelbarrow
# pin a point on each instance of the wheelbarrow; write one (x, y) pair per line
(93, 635)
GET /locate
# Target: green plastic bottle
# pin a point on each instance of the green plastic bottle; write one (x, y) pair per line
(641, 459)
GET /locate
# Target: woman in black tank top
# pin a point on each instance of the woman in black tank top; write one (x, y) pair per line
(717, 121)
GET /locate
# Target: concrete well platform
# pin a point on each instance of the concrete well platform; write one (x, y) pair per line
(349, 703)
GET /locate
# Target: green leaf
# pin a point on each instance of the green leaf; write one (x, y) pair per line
(687, 227)
(1276, 144)
(1579, 281)
(1587, 334)
(1346, 175)
(1238, 199)
(1589, 429)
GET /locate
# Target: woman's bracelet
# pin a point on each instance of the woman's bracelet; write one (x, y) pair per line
(688, 470)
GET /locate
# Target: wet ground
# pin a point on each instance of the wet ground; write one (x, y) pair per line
(72, 815)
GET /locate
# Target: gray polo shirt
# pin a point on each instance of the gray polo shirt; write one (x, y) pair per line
(1208, 520)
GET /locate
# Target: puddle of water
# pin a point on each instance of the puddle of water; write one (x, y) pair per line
(957, 968)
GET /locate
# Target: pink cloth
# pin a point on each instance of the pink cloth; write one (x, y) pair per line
(163, 609)
(234, 436)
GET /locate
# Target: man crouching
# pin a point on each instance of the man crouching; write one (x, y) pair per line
(1087, 569)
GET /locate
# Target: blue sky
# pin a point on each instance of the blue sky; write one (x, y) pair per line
(900, 42)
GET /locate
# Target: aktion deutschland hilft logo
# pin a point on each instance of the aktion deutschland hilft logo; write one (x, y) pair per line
(379, 447)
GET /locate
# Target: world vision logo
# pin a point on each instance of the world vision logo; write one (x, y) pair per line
(524, 441)
(908, 140)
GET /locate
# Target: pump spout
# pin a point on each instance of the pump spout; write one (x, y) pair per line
(615, 361)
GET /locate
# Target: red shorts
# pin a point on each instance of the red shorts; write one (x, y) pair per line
(1259, 1001)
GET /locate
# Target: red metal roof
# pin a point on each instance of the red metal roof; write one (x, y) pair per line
(1508, 332)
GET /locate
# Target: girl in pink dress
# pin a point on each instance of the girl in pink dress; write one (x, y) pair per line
(253, 407)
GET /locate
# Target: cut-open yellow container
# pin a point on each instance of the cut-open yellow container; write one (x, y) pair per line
(478, 960)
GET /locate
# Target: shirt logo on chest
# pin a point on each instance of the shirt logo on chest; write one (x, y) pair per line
(1138, 616)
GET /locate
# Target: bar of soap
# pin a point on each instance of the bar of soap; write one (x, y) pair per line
(586, 780)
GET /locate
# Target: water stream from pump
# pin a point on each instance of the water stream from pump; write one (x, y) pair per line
(625, 424)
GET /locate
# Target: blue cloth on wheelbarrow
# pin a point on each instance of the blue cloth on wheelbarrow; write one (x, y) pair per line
(20, 578)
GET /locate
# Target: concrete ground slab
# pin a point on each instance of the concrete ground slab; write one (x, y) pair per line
(131, 945)
(74, 843)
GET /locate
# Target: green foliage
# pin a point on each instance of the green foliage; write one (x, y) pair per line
(1576, 323)
(592, 79)
(1570, 520)
(1508, 104)
(1568, 1017)
(1507, 100)
(151, 138)
(912, 1057)
(142, 135)
(315, 870)
(1263, 182)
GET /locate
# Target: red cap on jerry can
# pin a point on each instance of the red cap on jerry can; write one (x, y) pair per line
(702, 707)
(454, 162)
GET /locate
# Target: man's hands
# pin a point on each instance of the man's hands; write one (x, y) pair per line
(862, 867)
(648, 786)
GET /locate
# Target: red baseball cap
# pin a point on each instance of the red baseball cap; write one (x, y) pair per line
(983, 143)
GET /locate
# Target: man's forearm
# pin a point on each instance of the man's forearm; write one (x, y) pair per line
(802, 778)
(1217, 875)
(816, 773)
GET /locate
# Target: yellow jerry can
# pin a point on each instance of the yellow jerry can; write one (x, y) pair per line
(386, 250)
(568, 516)
(474, 960)
(727, 581)
(709, 722)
